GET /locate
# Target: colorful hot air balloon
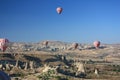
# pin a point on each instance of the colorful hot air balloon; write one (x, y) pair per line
(96, 44)
(75, 45)
(59, 10)
(3, 44)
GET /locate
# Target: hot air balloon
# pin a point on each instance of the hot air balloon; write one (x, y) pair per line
(96, 44)
(3, 44)
(59, 10)
(75, 45)
(45, 43)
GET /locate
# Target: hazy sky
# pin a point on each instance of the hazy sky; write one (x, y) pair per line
(81, 20)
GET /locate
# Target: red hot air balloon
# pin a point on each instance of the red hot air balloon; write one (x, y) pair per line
(96, 44)
(3, 44)
(75, 45)
(59, 10)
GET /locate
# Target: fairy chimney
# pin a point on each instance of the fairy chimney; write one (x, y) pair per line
(31, 65)
(96, 71)
(80, 69)
(7, 67)
(16, 65)
(26, 66)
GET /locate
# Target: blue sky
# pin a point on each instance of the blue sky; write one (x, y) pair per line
(81, 21)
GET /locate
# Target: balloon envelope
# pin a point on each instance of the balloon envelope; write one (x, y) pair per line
(3, 44)
(96, 44)
(75, 45)
(59, 10)
(45, 43)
